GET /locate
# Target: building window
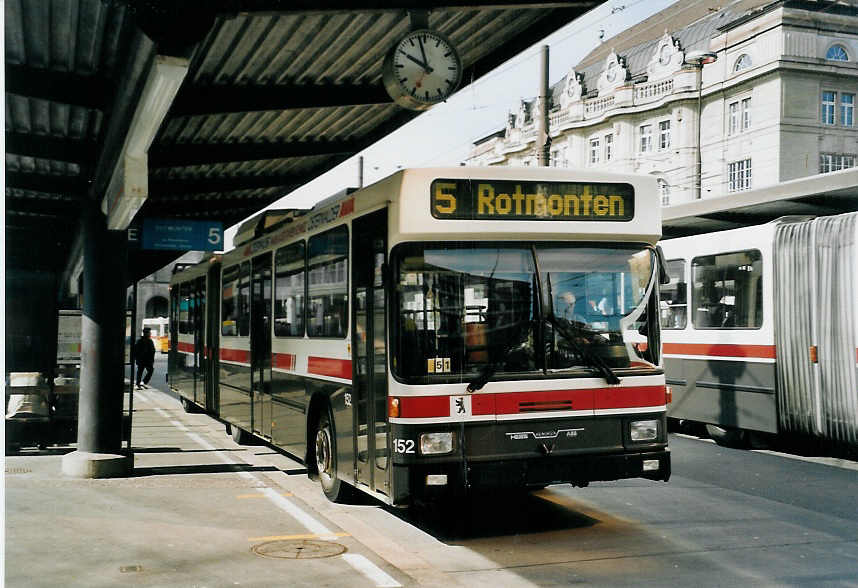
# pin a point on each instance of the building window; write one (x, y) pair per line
(733, 118)
(739, 176)
(609, 146)
(739, 116)
(744, 62)
(829, 102)
(664, 190)
(847, 109)
(830, 162)
(746, 114)
(664, 134)
(646, 138)
(837, 53)
(594, 151)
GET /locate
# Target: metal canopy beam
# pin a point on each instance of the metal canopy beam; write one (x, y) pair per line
(59, 86)
(220, 99)
(78, 151)
(182, 154)
(66, 185)
(59, 208)
(164, 187)
(282, 6)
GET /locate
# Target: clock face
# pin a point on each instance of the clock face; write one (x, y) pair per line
(612, 72)
(423, 69)
(664, 55)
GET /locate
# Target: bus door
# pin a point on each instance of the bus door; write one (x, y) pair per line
(369, 351)
(260, 344)
(198, 294)
(212, 332)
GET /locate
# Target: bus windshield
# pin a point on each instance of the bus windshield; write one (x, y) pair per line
(470, 308)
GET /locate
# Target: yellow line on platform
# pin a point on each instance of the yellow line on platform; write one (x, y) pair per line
(288, 537)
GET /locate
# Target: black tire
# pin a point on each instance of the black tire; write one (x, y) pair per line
(727, 437)
(325, 458)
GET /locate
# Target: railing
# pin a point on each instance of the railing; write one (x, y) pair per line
(653, 90)
(597, 106)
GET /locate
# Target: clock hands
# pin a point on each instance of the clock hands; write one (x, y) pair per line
(422, 64)
(423, 53)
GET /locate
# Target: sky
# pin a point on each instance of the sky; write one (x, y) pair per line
(444, 134)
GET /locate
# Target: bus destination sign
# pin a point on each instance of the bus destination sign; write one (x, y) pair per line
(518, 200)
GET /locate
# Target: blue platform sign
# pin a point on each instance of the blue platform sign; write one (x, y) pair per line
(181, 234)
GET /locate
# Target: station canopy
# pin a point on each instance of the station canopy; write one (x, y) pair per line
(275, 94)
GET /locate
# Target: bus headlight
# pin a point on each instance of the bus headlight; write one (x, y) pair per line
(436, 443)
(643, 430)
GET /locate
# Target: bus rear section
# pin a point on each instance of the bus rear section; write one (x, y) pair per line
(761, 332)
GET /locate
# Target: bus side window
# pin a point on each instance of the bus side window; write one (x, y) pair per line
(674, 297)
(727, 290)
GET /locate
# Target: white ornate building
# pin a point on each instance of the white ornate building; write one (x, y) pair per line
(777, 104)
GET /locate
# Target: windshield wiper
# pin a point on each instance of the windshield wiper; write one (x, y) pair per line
(491, 368)
(565, 329)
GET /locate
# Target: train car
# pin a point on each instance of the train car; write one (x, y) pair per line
(440, 331)
(760, 330)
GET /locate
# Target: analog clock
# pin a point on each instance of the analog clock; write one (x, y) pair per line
(421, 70)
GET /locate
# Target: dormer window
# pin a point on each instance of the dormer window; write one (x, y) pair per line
(837, 53)
(744, 62)
(612, 71)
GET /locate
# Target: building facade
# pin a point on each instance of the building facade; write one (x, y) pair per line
(776, 101)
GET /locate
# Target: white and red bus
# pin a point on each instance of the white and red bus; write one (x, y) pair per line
(760, 329)
(441, 330)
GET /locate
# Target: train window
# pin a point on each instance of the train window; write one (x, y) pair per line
(727, 291)
(674, 297)
(289, 291)
(184, 308)
(328, 284)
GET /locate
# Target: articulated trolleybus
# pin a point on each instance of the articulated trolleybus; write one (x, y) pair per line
(761, 330)
(441, 330)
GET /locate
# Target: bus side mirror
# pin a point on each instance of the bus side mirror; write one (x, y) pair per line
(663, 276)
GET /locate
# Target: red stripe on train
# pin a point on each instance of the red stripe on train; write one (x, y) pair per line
(326, 366)
(187, 347)
(720, 350)
(285, 361)
(239, 355)
(531, 402)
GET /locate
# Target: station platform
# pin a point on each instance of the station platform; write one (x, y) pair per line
(198, 510)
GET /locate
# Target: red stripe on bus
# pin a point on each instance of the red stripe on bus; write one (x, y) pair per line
(541, 401)
(188, 347)
(235, 355)
(607, 398)
(326, 366)
(285, 361)
(721, 350)
(413, 407)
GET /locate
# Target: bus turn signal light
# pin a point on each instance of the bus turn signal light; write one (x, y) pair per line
(393, 407)
(814, 355)
(668, 395)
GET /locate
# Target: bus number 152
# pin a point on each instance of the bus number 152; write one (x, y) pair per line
(403, 445)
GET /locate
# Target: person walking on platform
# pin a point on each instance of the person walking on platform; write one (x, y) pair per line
(144, 356)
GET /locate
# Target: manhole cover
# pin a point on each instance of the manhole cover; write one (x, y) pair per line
(18, 471)
(298, 549)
